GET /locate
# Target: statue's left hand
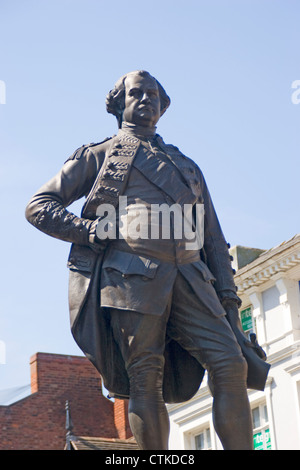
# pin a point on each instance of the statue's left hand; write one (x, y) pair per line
(94, 242)
(233, 317)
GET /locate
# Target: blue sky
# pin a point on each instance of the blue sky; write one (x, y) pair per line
(228, 66)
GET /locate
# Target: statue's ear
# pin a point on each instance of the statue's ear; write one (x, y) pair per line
(165, 100)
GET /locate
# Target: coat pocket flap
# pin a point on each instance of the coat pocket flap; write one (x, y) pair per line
(127, 264)
(206, 273)
(81, 258)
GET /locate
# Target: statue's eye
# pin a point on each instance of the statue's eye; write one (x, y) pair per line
(135, 92)
(152, 93)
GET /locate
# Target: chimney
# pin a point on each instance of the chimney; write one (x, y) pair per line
(75, 379)
(243, 255)
(53, 371)
(34, 373)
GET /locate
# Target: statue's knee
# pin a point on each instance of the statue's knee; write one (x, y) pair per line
(229, 375)
(239, 368)
(236, 368)
(146, 379)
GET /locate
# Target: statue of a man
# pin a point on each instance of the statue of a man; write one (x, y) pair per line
(149, 304)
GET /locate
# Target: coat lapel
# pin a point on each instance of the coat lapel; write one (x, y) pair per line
(163, 174)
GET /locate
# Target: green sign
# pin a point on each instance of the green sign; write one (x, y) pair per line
(258, 441)
(262, 440)
(268, 439)
(246, 319)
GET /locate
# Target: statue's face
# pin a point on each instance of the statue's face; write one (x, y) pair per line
(142, 102)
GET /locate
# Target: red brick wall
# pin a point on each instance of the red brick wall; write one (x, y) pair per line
(121, 419)
(38, 421)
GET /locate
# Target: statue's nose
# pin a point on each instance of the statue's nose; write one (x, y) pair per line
(145, 98)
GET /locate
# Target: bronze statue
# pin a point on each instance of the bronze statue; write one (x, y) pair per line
(151, 306)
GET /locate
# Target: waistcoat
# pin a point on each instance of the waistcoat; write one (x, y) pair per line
(111, 180)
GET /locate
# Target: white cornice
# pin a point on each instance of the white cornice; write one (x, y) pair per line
(293, 350)
(202, 392)
(268, 265)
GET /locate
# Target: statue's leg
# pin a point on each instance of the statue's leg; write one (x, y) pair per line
(231, 409)
(141, 339)
(209, 338)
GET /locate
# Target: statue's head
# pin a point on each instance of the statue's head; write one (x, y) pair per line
(137, 98)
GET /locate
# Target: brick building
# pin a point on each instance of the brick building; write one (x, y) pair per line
(38, 421)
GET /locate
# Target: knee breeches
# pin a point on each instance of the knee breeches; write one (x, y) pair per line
(207, 337)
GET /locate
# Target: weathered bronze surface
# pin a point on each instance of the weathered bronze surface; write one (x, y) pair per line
(152, 313)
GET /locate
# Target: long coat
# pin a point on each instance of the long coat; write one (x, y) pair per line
(100, 172)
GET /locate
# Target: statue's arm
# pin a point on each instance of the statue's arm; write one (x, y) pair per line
(216, 251)
(47, 211)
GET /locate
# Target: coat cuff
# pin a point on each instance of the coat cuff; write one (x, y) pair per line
(54, 220)
(229, 296)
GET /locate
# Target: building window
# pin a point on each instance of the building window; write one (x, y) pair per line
(261, 431)
(247, 321)
(203, 440)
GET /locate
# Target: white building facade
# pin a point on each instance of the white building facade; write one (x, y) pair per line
(268, 286)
